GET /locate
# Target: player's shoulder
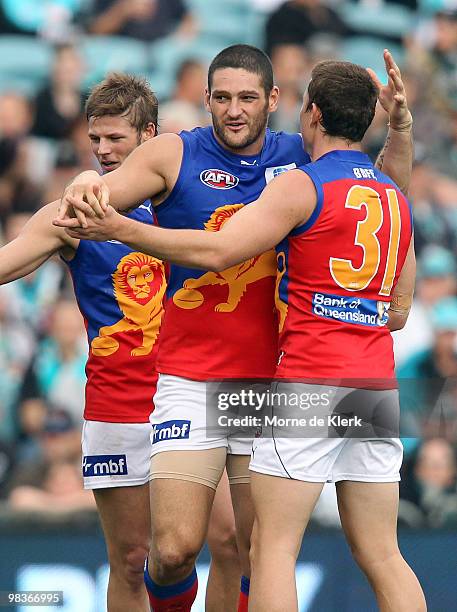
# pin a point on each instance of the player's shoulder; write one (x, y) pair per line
(286, 140)
(162, 143)
(202, 134)
(385, 179)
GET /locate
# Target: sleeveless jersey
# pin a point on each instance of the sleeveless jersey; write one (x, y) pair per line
(337, 272)
(120, 294)
(222, 324)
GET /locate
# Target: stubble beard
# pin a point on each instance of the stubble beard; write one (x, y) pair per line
(256, 129)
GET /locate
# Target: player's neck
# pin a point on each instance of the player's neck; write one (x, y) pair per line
(323, 145)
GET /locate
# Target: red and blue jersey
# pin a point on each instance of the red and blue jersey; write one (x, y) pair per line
(120, 294)
(337, 273)
(222, 324)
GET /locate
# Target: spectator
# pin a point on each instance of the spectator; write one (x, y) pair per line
(145, 20)
(17, 345)
(82, 146)
(57, 372)
(432, 485)
(17, 193)
(185, 109)
(15, 115)
(67, 166)
(296, 21)
(52, 481)
(7, 463)
(31, 418)
(434, 198)
(437, 271)
(61, 101)
(291, 69)
(428, 383)
(60, 491)
(51, 18)
(29, 300)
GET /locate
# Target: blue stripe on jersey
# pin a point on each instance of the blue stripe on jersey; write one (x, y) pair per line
(319, 203)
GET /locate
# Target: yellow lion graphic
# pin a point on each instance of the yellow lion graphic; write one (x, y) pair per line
(236, 278)
(139, 286)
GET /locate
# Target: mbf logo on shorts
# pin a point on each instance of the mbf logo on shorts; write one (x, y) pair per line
(104, 465)
(170, 430)
(218, 179)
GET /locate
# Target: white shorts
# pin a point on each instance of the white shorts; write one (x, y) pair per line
(179, 419)
(280, 452)
(115, 454)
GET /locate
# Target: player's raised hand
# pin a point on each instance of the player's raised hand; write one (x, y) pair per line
(392, 96)
(96, 228)
(87, 196)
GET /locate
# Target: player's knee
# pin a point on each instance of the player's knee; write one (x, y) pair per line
(369, 556)
(129, 564)
(222, 544)
(175, 555)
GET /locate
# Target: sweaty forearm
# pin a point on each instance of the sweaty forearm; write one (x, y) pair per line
(396, 156)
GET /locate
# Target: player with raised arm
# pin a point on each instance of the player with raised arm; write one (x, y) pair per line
(120, 294)
(194, 180)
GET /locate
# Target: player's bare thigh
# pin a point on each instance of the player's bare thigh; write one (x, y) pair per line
(182, 489)
(127, 507)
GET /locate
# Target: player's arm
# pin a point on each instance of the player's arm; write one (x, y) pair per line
(151, 169)
(402, 295)
(285, 203)
(36, 242)
(396, 156)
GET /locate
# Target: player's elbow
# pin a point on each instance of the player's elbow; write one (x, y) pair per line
(216, 258)
(397, 321)
(216, 262)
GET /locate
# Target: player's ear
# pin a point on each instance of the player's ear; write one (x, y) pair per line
(273, 99)
(207, 99)
(149, 132)
(316, 114)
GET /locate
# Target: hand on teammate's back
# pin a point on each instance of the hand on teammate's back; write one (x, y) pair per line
(392, 96)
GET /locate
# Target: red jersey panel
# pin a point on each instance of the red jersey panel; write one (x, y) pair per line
(337, 272)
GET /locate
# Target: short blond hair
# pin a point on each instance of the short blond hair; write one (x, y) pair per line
(126, 95)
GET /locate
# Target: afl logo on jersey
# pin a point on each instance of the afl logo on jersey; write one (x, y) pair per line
(218, 179)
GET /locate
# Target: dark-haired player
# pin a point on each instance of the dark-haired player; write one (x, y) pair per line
(216, 325)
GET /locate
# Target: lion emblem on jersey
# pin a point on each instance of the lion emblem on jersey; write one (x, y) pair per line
(139, 286)
(237, 278)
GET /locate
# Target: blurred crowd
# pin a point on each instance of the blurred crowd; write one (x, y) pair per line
(44, 143)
